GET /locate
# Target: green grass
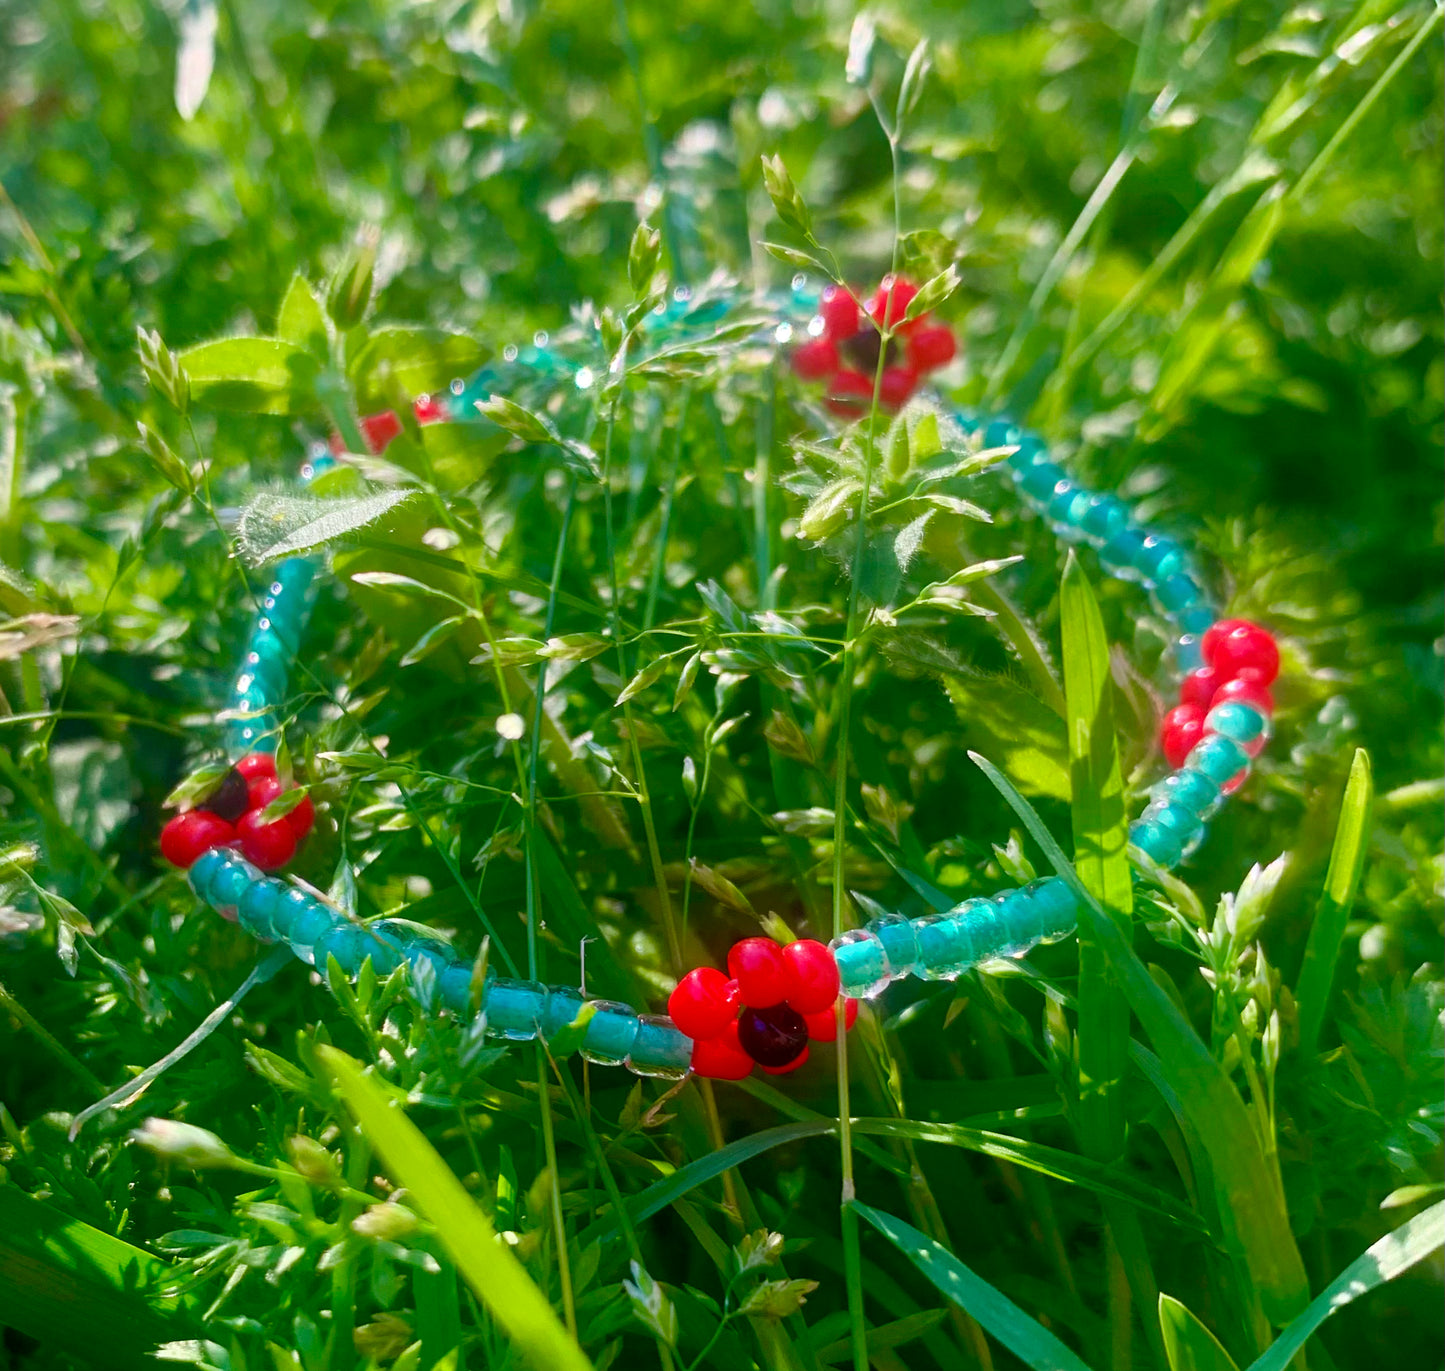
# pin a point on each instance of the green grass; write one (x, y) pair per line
(1200, 249)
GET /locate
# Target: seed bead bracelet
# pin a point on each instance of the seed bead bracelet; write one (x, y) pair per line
(774, 999)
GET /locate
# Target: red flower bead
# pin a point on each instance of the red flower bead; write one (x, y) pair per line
(262, 791)
(931, 346)
(704, 1003)
(188, 835)
(380, 429)
(1183, 727)
(1199, 687)
(814, 982)
(1246, 693)
(721, 1058)
(302, 817)
(823, 1026)
(891, 300)
(255, 764)
(897, 385)
(428, 410)
(815, 360)
(1238, 649)
(788, 1066)
(840, 313)
(269, 846)
(761, 972)
(850, 392)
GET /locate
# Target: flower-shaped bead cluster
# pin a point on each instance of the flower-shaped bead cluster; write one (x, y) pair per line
(777, 999)
(233, 815)
(845, 354)
(1241, 660)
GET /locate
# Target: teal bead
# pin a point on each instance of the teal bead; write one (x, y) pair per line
(303, 920)
(267, 646)
(564, 1003)
(1068, 504)
(661, 1048)
(1191, 789)
(385, 950)
(983, 922)
(1189, 652)
(252, 735)
(1160, 844)
(1182, 822)
(1196, 619)
(229, 884)
(611, 1032)
(318, 465)
(1104, 517)
(250, 698)
(1040, 480)
(1178, 593)
(1122, 551)
(1016, 923)
(1236, 720)
(945, 949)
(1055, 907)
(1031, 450)
(1218, 757)
(205, 869)
(256, 909)
(863, 965)
(895, 932)
(1002, 433)
(1160, 558)
(345, 941)
(455, 987)
(514, 1009)
(296, 574)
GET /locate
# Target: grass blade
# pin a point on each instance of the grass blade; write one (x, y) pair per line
(1342, 881)
(1190, 1346)
(1396, 1252)
(1025, 1337)
(494, 1274)
(1251, 1203)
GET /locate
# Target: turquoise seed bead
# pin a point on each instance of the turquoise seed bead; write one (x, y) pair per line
(1002, 433)
(320, 464)
(455, 987)
(345, 941)
(230, 883)
(296, 574)
(1189, 652)
(1218, 757)
(1122, 551)
(385, 951)
(433, 952)
(1055, 907)
(1105, 517)
(1196, 619)
(1178, 593)
(1015, 922)
(256, 910)
(205, 869)
(611, 1032)
(862, 961)
(1031, 450)
(1237, 720)
(309, 921)
(983, 922)
(1159, 843)
(514, 1009)
(1192, 789)
(1068, 503)
(1161, 558)
(945, 949)
(1182, 822)
(1039, 481)
(564, 1003)
(895, 932)
(661, 1048)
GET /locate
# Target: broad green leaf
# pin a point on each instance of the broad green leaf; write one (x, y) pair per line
(1395, 1253)
(301, 320)
(1247, 1188)
(412, 361)
(1189, 1345)
(1000, 714)
(487, 1264)
(276, 526)
(255, 375)
(1342, 881)
(998, 1315)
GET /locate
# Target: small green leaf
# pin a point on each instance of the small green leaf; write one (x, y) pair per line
(933, 293)
(283, 804)
(412, 361)
(1189, 1344)
(914, 75)
(276, 526)
(520, 422)
(644, 678)
(651, 1305)
(301, 321)
(642, 257)
(861, 39)
(165, 460)
(254, 375)
(200, 783)
(776, 1299)
(787, 202)
(348, 296)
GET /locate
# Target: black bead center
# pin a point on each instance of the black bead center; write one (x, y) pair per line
(861, 350)
(230, 799)
(772, 1036)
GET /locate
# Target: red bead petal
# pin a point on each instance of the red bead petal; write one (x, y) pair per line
(789, 1066)
(930, 346)
(823, 1026)
(761, 972)
(188, 835)
(815, 359)
(269, 846)
(813, 973)
(1238, 649)
(300, 819)
(721, 1058)
(851, 385)
(897, 385)
(1247, 693)
(701, 1005)
(840, 314)
(255, 764)
(1183, 727)
(428, 410)
(896, 294)
(1198, 687)
(261, 791)
(380, 429)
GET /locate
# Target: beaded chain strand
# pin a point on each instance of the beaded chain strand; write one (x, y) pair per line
(774, 999)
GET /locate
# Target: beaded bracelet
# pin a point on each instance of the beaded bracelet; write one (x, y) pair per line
(775, 999)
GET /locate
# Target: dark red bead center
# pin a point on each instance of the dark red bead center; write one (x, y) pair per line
(772, 1036)
(861, 350)
(230, 799)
